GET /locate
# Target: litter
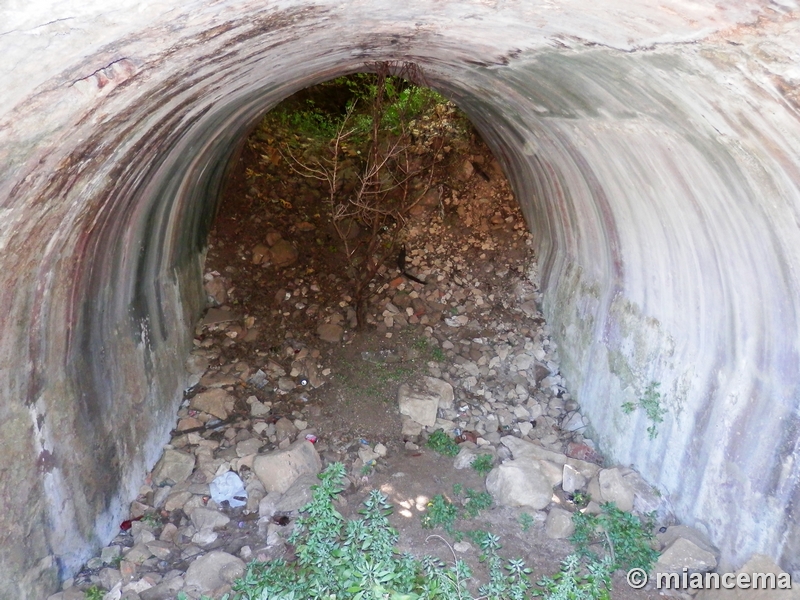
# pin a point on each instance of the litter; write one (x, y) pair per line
(228, 486)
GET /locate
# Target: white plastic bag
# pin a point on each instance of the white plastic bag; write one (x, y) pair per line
(228, 486)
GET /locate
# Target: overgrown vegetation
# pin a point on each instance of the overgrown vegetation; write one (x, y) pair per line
(357, 560)
(373, 140)
(650, 402)
(443, 512)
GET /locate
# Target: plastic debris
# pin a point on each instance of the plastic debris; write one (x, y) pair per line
(311, 438)
(228, 486)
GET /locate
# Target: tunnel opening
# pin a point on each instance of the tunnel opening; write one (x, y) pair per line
(282, 361)
(659, 177)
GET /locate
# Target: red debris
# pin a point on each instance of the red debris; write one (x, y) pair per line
(126, 525)
(583, 452)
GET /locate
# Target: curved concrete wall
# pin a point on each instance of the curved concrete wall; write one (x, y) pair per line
(654, 146)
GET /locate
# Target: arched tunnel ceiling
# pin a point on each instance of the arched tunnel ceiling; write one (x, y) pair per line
(653, 145)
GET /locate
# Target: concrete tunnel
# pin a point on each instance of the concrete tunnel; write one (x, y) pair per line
(654, 148)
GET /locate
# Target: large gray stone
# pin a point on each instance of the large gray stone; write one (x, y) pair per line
(421, 399)
(213, 573)
(174, 467)
(278, 470)
(520, 482)
(298, 495)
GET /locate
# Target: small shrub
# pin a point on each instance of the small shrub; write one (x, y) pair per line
(525, 521)
(483, 463)
(93, 593)
(440, 442)
(650, 402)
(625, 537)
(476, 502)
(441, 512)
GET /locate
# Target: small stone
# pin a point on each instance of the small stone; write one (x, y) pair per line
(283, 254)
(248, 447)
(559, 524)
(421, 401)
(285, 429)
(110, 554)
(259, 409)
(204, 538)
(380, 450)
(520, 482)
(109, 578)
(260, 252)
(571, 479)
(138, 554)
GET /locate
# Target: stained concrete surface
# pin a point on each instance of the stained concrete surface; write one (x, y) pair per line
(653, 146)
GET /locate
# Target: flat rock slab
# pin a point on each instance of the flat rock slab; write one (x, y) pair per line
(215, 402)
(278, 470)
(208, 519)
(214, 316)
(421, 400)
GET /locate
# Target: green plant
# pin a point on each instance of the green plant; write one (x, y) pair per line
(625, 537)
(483, 463)
(441, 512)
(93, 593)
(475, 502)
(437, 354)
(573, 582)
(650, 402)
(440, 442)
(151, 520)
(580, 499)
(526, 521)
